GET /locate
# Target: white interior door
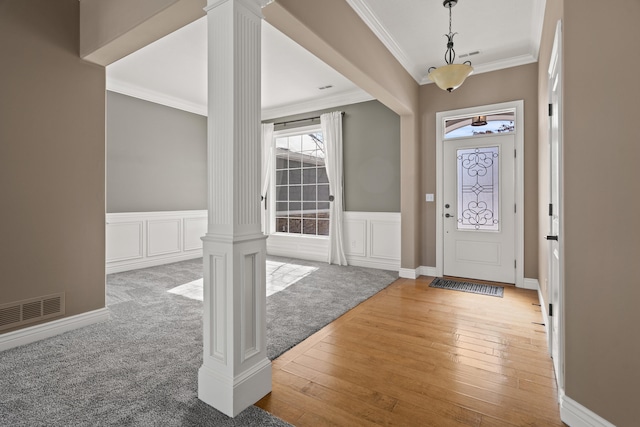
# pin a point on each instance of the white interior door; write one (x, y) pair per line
(479, 208)
(555, 211)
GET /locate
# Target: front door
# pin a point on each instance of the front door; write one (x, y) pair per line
(479, 208)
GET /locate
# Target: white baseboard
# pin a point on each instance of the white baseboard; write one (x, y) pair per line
(576, 415)
(427, 271)
(408, 273)
(368, 263)
(152, 262)
(531, 284)
(50, 329)
(414, 273)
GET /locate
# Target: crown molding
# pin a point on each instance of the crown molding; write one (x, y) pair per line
(537, 17)
(345, 98)
(514, 61)
(374, 24)
(135, 91)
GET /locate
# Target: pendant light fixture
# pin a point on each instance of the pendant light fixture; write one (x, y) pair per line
(450, 76)
(479, 121)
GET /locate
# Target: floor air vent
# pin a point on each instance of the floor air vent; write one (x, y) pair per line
(31, 310)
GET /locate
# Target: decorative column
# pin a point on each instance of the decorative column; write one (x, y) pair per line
(235, 372)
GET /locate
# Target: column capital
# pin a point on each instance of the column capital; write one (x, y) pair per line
(254, 5)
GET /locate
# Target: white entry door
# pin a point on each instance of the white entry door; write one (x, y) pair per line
(555, 209)
(479, 208)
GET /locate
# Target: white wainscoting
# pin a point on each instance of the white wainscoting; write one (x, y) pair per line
(371, 239)
(301, 247)
(144, 239)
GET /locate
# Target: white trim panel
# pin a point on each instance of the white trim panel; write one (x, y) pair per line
(576, 415)
(164, 236)
(301, 247)
(146, 239)
(50, 329)
(372, 239)
(125, 241)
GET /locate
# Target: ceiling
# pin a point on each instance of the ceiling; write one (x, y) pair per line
(172, 70)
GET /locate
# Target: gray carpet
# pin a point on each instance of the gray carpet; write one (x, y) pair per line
(140, 368)
(475, 288)
(316, 300)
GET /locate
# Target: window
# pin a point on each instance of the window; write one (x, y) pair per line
(495, 123)
(301, 186)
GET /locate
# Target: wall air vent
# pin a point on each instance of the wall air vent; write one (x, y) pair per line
(31, 310)
(464, 55)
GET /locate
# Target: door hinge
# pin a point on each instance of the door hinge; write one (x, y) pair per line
(515, 263)
(550, 309)
(515, 153)
(550, 209)
(550, 110)
(515, 208)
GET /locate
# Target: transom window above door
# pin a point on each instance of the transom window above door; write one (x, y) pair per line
(301, 185)
(489, 124)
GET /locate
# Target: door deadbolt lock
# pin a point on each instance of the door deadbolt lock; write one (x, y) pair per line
(447, 206)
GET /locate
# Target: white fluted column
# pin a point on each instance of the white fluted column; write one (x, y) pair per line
(236, 371)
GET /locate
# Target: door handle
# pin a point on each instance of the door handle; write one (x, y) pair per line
(552, 238)
(448, 215)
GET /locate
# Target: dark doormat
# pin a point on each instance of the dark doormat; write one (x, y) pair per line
(475, 288)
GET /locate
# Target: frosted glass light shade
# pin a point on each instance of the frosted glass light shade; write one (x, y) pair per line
(450, 77)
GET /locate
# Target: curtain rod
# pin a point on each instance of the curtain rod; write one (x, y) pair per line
(299, 120)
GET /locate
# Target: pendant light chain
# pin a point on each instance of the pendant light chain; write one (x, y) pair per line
(450, 54)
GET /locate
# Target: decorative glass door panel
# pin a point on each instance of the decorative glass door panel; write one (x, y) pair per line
(478, 188)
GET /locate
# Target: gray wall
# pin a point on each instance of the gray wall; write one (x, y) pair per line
(156, 157)
(51, 158)
(371, 148)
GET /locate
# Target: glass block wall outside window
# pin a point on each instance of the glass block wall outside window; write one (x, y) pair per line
(301, 185)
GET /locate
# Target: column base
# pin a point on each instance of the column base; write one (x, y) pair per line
(233, 395)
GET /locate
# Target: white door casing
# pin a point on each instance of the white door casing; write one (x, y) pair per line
(479, 224)
(518, 181)
(555, 236)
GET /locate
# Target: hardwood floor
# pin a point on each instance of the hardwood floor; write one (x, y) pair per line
(419, 356)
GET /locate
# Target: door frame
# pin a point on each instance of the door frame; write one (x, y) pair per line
(441, 117)
(556, 69)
